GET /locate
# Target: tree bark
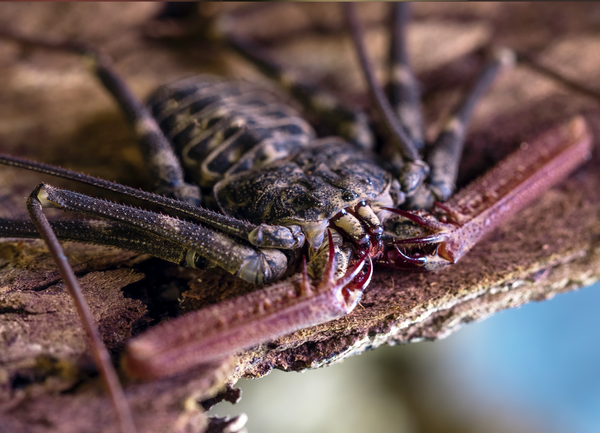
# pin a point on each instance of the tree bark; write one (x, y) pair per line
(52, 111)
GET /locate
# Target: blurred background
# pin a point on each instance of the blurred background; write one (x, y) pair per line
(526, 370)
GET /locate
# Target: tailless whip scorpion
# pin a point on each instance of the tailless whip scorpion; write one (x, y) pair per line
(244, 183)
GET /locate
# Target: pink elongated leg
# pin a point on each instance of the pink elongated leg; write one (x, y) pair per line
(492, 199)
(223, 329)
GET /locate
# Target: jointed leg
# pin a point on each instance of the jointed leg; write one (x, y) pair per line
(403, 88)
(163, 166)
(414, 170)
(108, 233)
(446, 151)
(398, 135)
(253, 265)
(266, 236)
(348, 123)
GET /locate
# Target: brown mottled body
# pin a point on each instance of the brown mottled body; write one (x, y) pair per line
(212, 332)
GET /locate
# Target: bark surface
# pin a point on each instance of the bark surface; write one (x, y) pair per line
(51, 110)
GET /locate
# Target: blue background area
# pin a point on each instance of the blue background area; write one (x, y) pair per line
(544, 358)
(534, 369)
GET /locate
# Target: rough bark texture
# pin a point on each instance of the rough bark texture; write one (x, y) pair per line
(52, 111)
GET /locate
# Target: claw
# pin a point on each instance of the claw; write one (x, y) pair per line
(353, 273)
(417, 260)
(399, 260)
(351, 286)
(430, 239)
(421, 258)
(329, 274)
(362, 281)
(430, 252)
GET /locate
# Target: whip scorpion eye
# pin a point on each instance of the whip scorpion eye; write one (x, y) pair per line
(349, 196)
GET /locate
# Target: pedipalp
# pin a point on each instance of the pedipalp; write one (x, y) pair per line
(489, 201)
(226, 328)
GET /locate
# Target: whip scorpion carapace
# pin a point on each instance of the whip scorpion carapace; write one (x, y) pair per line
(246, 185)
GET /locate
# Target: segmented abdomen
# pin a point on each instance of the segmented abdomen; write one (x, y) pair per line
(220, 128)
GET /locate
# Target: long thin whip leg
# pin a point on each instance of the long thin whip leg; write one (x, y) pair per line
(273, 236)
(413, 171)
(99, 351)
(399, 136)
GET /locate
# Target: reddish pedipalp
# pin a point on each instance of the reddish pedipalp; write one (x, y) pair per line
(491, 199)
(220, 330)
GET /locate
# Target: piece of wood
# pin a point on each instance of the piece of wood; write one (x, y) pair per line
(53, 111)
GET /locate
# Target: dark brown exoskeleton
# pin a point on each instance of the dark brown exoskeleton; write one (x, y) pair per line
(307, 216)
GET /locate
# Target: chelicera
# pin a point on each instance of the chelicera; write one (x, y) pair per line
(308, 216)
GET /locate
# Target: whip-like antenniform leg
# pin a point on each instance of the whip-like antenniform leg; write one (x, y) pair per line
(266, 236)
(101, 355)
